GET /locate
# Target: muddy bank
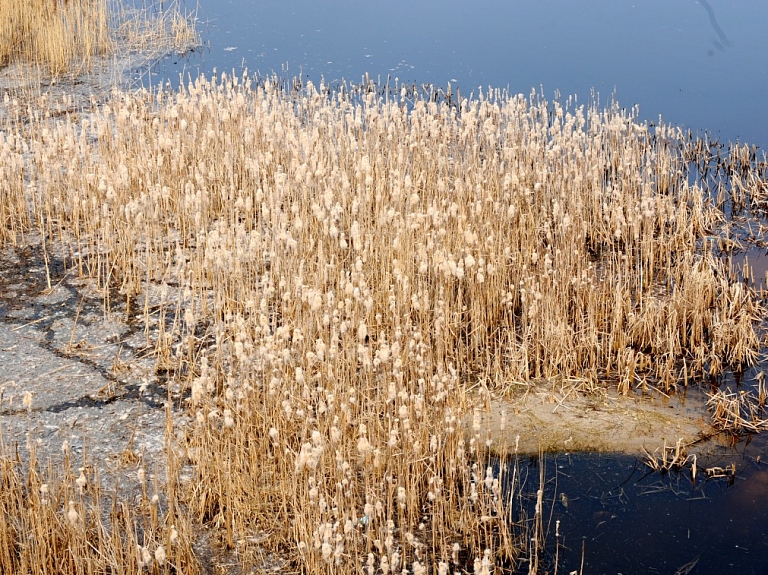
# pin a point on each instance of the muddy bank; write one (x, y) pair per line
(554, 417)
(76, 379)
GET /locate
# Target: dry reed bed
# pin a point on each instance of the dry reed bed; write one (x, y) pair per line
(345, 270)
(56, 34)
(63, 56)
(67, 36)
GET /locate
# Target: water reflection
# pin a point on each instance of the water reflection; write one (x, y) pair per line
(724, 41)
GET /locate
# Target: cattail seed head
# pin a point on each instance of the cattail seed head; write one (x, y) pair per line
(160, 555)
(72, 515)
(27, 401)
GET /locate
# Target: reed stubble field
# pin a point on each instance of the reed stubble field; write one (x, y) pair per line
(327, 283)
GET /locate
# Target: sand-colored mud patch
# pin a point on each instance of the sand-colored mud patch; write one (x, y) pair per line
(560, 417)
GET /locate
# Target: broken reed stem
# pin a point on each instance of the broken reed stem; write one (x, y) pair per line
(671, 458)
(737, 412)
(537, 542)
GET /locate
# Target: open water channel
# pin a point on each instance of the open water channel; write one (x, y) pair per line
(699, 64)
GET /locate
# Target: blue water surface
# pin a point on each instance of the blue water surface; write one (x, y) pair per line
(699, 64)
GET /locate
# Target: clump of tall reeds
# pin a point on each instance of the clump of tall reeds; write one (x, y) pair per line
(339, 271)
(61, 36)
(55, 34)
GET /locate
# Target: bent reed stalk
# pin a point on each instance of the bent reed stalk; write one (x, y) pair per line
(345, 268)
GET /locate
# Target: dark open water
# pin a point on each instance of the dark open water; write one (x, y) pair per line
(699, 64)
(623, 518)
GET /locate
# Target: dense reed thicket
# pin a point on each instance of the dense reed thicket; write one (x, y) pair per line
(70, 36)
(336, 273)
(56, 34)
(58, 519)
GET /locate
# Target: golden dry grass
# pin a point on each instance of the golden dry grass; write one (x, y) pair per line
(55, 34)
(69, 36)
(339, 272)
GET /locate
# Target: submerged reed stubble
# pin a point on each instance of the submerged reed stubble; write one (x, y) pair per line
(347, 269)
